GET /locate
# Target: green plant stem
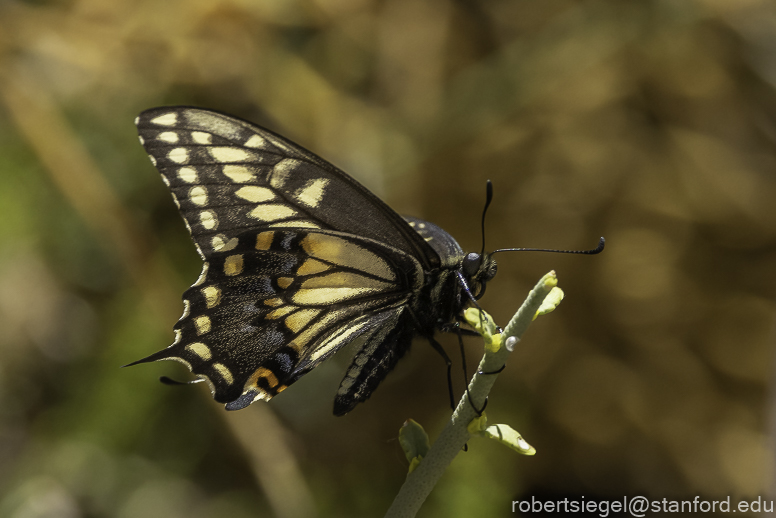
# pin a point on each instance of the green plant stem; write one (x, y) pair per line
(422, 480)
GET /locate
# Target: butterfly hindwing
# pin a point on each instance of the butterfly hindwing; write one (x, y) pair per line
(307, 295)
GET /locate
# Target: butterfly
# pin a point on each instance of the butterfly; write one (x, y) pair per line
(299, 260)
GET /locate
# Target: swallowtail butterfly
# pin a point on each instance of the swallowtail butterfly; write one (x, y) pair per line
(299, 260)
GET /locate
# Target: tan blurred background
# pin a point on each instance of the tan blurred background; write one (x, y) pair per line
(651, 123)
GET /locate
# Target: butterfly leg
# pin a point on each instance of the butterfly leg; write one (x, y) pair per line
(460, 334)
(497, 371)
(461, 331)
(438, 348)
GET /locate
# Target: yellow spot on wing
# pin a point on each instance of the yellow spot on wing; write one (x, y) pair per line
(233, 265)
(312, 266)
(202, 324)
(230, 154)
(272, 212)
(276, 301)
(221, 244)
(200, 349)
(281, 312)
(281, 172)
(255, 141)
(285, 282)
(345, 253)
(208, 219)
(300, 319)
(187, 174)
(198, 195)
(168, 119)
(323, 296)
(225, 373)
(254, 193)
(264, 240)
(309, 334)
(200, 137)
(186, 309)
(312, 193)
(346, 280)
(179, 155)
(168, 136)
(212, 296)
(238, 173)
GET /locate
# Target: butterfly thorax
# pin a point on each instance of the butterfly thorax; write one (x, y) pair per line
(445, 289)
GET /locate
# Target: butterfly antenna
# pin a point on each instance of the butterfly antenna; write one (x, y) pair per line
(488, 199)
(596, 250)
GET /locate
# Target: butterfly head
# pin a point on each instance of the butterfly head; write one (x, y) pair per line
(478, 269)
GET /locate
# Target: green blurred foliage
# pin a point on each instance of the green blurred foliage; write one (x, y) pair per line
(651, 123)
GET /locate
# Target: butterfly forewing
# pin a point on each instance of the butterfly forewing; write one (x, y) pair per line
(227, 175)
(299, 260)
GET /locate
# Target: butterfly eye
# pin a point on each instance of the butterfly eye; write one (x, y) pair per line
(471, 264)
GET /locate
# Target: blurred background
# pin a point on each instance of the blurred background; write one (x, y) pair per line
(651, 123)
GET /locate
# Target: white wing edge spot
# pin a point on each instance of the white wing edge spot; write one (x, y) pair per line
(186, 309)
(202, 275)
